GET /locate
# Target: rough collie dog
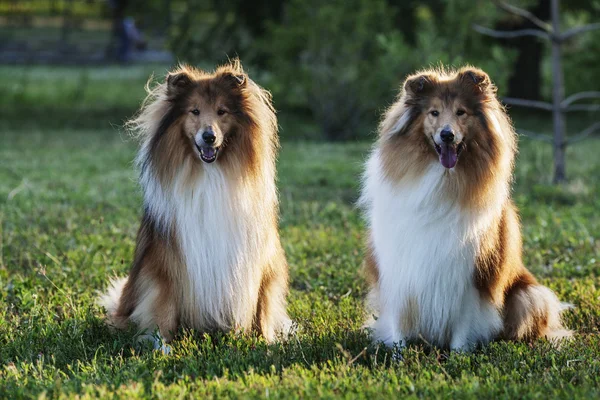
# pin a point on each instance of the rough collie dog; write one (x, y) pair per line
(208, 254)
(444, 253)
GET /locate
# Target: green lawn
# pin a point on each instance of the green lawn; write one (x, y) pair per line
(69, 211)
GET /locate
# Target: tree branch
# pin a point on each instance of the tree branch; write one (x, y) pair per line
(528, 103)
(524, 14)
(579, 96)
(534, 136)
(580, 29)
(584, 133)
(512, 34)
(583, 107)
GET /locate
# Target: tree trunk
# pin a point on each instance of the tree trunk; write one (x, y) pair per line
(67, 23)
(558, 94)
(526, 81)
(167, 8)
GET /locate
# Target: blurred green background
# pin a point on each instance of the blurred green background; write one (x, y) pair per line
(332, 66)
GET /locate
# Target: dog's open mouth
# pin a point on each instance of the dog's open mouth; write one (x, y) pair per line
(208, 154)
(448, 153)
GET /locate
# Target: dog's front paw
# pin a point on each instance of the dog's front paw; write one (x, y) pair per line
(158, 342)
(163, 347)
(397, 354)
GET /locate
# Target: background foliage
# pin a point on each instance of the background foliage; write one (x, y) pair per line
(340, 62)
(332, 66)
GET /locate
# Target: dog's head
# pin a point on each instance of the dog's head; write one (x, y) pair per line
(450, 109)
(210, 108)
(221, 118)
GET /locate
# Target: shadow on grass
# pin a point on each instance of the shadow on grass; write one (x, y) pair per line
(200, 355)
(77, 353)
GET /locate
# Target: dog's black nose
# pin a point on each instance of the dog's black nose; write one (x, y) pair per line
(209, 137)
(447, 135)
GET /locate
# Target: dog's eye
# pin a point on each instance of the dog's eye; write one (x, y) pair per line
(221, 112)
(460, 112)
(435, 113)
(195, 111)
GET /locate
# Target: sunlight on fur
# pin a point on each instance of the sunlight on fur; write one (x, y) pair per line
(444, 251)
(208, 254)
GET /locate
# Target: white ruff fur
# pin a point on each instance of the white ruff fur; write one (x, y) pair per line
(222, 239)
(425, 246)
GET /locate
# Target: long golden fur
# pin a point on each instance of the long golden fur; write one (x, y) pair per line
(462, 184)
(208, 254)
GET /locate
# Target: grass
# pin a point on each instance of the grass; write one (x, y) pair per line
(67, 97)
(69, 210)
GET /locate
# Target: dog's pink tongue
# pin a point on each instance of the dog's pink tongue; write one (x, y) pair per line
(448, 156)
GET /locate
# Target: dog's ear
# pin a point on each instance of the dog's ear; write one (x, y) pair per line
(419, 84)
(177, 82)
(235, 80)
(476, 79)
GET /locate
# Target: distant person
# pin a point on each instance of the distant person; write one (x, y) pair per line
(133, 34)
(125, 32)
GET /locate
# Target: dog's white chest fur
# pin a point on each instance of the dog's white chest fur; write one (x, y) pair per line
(425, 246)
(216, 232)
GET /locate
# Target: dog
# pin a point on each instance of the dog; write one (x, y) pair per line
(208, 254)
(443, 258)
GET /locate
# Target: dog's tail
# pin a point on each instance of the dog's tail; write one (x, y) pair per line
(533, 311)
(110, 300)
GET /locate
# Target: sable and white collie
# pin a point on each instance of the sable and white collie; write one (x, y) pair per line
(444, 248)
(208, 254)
